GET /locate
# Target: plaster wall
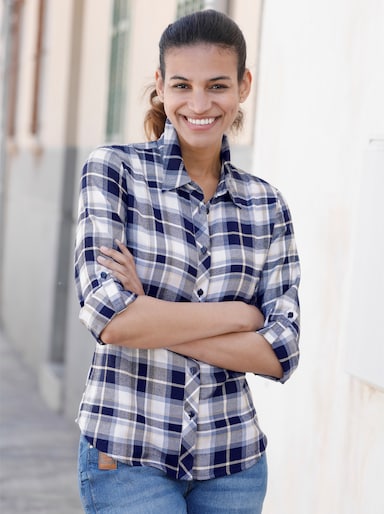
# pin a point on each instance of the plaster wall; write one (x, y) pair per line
(319, 105)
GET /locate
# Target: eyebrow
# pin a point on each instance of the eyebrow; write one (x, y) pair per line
(214, 79)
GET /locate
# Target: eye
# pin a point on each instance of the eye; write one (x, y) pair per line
(180, 86)
(219, 86)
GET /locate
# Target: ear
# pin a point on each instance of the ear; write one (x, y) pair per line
(245, 86)
(159, 85)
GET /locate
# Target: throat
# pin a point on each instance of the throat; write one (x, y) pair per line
(208, 185)
(206, 173)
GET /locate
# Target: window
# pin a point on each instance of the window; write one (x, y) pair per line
(117, 70)
(16, 8)
(189, 6)
(34, 127)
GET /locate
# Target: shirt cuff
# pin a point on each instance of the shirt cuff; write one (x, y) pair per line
(103, 305)
(282, 333)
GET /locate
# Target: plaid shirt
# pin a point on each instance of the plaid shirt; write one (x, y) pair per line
(155, 407)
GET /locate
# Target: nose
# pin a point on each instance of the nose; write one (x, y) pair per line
(199, 101)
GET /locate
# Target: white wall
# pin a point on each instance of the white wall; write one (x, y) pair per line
(93, 90)
(320, 101)
(144, 60)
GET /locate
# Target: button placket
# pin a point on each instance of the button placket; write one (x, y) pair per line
(191, 406)
(192, 388)
(203, 245)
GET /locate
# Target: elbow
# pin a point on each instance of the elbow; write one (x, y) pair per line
(288, 368)
(115, 332)
(277, 372)
(272, 369)
(108, 334)
(124, 329)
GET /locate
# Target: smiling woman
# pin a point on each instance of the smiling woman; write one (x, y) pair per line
(201, 94)
(187, 275)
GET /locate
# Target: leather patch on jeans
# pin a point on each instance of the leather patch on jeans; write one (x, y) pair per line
(106, 462)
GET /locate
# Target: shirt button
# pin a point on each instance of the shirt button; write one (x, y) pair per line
(193, 370)
(103, 274)
(290, 314)
(204, 250)
(191, 414)
(200, 292)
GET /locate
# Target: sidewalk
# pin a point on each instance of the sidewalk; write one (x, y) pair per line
(38, 448)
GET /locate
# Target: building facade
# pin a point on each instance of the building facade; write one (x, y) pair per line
(73, 75)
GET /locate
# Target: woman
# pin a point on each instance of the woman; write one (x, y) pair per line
(187, 273)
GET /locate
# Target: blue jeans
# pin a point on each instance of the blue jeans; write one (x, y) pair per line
(147, 490)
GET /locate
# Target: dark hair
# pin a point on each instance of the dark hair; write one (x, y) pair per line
(206, 26)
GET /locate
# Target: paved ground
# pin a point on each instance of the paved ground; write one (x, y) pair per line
(37, 447)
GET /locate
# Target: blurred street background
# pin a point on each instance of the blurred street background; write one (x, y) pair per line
(38, 448)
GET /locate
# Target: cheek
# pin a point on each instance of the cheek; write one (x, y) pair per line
(166, 108)
(169, 106)
(233, 109)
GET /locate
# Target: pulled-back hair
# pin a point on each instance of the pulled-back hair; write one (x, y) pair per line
(210, 27)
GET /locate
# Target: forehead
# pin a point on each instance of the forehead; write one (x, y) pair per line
(201, 57)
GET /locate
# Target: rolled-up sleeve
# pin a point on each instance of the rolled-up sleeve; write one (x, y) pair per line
(101, 220)
(278, 292)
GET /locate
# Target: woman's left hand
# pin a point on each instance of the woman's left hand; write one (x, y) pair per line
(122, 266)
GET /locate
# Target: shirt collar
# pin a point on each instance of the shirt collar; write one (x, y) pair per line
(175, 174)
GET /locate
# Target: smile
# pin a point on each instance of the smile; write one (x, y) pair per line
(202, 121)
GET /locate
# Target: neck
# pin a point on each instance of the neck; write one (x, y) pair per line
(205, 172)
(202, 165)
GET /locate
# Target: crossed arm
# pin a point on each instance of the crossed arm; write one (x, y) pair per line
(222, 334)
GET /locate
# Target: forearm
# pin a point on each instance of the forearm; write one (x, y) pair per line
(244, 352)
(153, 323)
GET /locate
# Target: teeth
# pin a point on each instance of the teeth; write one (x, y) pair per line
(204, 121)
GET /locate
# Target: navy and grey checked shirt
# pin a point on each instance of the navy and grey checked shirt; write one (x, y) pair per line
(155, 407)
